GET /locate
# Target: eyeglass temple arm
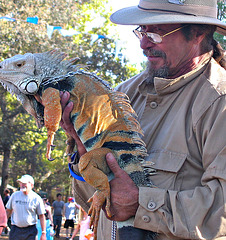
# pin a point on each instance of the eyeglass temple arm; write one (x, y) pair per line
(177, 29)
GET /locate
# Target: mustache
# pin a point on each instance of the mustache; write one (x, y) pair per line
(156, 53)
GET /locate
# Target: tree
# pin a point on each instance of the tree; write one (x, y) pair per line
(221, 15)
(7, 131)
(22, 144)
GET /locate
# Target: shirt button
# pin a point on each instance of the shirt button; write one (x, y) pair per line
(153, 105)
(146, 219)
(151, 205)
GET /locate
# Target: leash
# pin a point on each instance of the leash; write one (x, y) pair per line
(73, 174)
(113, 230)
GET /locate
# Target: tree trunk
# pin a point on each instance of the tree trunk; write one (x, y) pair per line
(5, 168)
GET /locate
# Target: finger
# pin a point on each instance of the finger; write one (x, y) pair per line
(111, 211)
(66, 113)
(113, 165)
(65, 96)
(107, 207)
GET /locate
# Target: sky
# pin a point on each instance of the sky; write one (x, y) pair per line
(127, 38)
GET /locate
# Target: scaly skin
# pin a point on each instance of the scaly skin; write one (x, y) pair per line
(52, 115)
(103, 119)
(93, 168)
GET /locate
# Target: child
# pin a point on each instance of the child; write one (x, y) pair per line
(83, 226)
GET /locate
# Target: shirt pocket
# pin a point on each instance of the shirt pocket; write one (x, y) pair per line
(168, 168)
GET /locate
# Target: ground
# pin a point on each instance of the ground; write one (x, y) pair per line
(62, 235)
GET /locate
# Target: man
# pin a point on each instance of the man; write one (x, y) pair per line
(23, 207)
(6, 196)
(70, 210)
(58, 206)
(180, 103)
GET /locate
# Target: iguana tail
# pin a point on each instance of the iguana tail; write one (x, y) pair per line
(129, 233)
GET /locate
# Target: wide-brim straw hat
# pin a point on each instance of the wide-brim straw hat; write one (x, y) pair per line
(150, 12)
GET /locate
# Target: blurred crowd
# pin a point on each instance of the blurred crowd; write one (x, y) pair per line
(25, 215)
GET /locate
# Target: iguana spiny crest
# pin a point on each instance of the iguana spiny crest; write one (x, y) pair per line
(22, 75)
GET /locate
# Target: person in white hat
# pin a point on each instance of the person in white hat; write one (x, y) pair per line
(180, 103)
(23, 207)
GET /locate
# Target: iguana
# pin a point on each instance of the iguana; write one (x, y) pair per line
(103, 119)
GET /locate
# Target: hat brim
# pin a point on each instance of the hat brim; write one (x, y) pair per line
(24, 181)
(137, 16)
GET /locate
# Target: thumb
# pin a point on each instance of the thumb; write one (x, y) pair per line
(113, 165)
(67, 111)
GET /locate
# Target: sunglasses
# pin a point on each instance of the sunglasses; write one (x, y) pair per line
(154, 37)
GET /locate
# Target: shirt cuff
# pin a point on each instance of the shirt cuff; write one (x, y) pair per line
(149, 215)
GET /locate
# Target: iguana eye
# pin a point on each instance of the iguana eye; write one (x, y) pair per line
(20, 64)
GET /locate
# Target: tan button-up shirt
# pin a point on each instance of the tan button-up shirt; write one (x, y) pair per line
(184, 124)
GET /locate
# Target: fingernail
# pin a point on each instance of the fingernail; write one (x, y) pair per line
(70, 104)
(110, 156)
(65, 94)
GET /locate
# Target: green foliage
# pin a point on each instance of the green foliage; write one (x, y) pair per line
(25, 143)
(221, 15)
(221, 12)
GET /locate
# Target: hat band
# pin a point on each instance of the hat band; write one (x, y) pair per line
(195, 10)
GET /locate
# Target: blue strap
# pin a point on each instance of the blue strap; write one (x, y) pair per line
(73, 174)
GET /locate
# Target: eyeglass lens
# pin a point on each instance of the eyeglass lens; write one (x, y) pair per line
(154, 37)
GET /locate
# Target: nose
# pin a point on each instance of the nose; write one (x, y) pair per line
(145, 43)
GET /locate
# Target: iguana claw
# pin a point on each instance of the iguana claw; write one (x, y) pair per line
(98, 199)
(53, 147)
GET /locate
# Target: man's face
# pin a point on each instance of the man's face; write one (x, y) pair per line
(59, 198)
(25, 187)
(172, 54)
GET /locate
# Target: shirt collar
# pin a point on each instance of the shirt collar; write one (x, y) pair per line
(163, 86)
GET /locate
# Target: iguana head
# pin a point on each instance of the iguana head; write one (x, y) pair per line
(23, 75)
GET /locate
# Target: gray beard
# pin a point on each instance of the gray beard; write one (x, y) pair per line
(162, 72)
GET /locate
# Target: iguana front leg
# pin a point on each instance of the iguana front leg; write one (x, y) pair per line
(93, 167)
(52, 115)
(70, 146)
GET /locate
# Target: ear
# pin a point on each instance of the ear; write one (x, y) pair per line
(199, 38)
(198, 35)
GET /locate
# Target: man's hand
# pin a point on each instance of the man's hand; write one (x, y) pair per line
(43, 236)
(66, 123)
(67, 107)
(124, 192)
(42, 219)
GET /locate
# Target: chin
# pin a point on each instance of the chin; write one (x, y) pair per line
(158, 71)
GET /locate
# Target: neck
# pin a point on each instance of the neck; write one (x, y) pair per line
(26, 193)
(189, 66)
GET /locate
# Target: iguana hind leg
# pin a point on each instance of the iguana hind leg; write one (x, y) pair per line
(93, 167)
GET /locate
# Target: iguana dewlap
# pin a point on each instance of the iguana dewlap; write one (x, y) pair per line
(103, 119)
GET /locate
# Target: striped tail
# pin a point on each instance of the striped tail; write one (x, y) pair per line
(126, 231)
(132, 233)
